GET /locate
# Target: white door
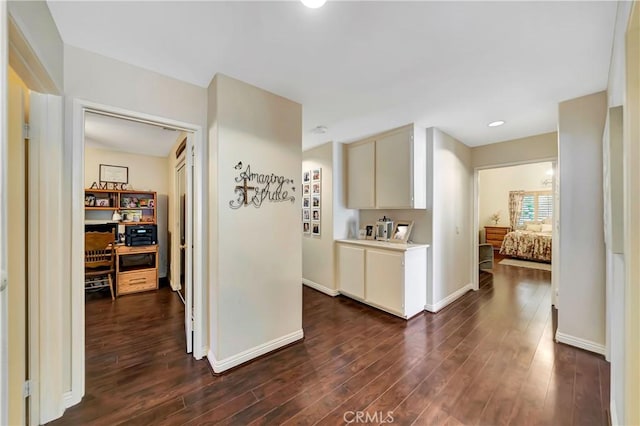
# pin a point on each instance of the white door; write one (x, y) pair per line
(188, 243)
(385, 279)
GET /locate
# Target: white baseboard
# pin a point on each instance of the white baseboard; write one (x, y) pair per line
(587, 345)
(320, 287)
(249, 354)
(614, 413)
(449, 299)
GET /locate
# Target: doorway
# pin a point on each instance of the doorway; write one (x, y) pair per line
(514, 217)
(78, 180)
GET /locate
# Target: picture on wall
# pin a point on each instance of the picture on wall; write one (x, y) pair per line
(311, 195)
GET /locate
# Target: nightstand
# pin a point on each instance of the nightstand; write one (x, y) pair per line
(495, 235)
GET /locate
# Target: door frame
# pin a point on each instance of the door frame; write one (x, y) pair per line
(555, 255)
(80, 107)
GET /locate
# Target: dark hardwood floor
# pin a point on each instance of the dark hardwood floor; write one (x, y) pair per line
(487, 359)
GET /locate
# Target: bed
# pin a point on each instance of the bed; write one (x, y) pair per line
(533, 243)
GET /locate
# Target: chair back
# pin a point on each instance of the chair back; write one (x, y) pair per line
(98, 250)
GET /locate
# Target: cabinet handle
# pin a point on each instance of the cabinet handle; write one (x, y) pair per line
(137, 280)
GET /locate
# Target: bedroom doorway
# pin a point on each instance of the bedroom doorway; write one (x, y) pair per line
(515, 224)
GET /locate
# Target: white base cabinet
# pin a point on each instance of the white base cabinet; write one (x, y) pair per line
(388, 276)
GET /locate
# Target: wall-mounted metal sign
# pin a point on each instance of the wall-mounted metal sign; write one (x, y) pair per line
(257, 188)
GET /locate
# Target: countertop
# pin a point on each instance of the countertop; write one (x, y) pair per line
(384, 244)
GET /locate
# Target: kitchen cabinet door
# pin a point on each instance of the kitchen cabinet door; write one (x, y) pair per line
(385, 279)
(351, 270)
(394, 170)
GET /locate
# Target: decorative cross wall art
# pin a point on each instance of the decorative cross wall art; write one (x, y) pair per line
(311, 196)
(257, 188)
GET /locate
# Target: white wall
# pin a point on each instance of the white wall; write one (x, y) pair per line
(524, 150)
(494, 186)
(317, 251)
(581, 317)
(146, 173)
(256, 273)
(452, 242)
(40, 31)
(345, 221)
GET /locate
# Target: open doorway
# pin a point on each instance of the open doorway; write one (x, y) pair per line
(514, 217)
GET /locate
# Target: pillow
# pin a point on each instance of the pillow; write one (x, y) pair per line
(547, 228)
(533, 228)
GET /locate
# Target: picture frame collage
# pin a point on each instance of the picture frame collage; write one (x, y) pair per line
(311, 202)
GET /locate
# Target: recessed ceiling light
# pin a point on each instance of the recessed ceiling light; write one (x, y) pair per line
(319, 130)
(496, 123)
(313, 4)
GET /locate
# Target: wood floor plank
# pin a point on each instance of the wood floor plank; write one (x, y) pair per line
(488, 358)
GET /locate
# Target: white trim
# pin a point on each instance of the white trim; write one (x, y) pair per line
(614, 413)
(587, 345)
(320, 287)
(249, 354)
(449, 299)
(4, 333)
(77, 231)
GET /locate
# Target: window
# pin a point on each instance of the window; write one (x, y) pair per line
(536, 206)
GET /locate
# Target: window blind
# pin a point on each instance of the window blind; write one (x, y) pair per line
(536, 206)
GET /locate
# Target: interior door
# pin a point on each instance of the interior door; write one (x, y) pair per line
(188, 245)
(181, 188)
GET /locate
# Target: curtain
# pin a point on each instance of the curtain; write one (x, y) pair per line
(515, 207)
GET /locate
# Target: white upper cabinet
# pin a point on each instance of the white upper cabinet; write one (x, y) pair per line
(389, 171)
(361, 163)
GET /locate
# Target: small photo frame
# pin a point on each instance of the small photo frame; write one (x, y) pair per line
(114, 174)
(315, 228)
(362, 234)
(315, 214)
(306, 227)
(401, 231)
(316, 173)
(151, 204)
(306, 189)
(89, 200)
(316, 188)
(102, 202)
(315, 201)
(306, 214)
(369, 231)
(306, 202)
(306, 177)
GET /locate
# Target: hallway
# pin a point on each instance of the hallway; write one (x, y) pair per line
(487, 359)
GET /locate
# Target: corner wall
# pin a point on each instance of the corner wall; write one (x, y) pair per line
(318, 251)
(581, 317)
(256, 302)
(452, 242)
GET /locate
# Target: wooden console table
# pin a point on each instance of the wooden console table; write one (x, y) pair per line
(136, 278)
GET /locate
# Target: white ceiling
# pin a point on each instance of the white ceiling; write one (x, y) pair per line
(363, 67)
(118, 134)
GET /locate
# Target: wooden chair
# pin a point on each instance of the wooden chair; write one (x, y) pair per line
(99, 260)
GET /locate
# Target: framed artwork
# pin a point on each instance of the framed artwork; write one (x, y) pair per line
(306, 202)
(306, 177)
(315, 214)
(306, 189)
(102, 202)
(316, 188)
(305, 214)
(369, 231)
(316, 174)
(315, 228)
(114, 174)
(315, 201)
(362, 234)
(402, 231)
(306, 227)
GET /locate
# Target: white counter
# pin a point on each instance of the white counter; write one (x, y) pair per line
(384, 244)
